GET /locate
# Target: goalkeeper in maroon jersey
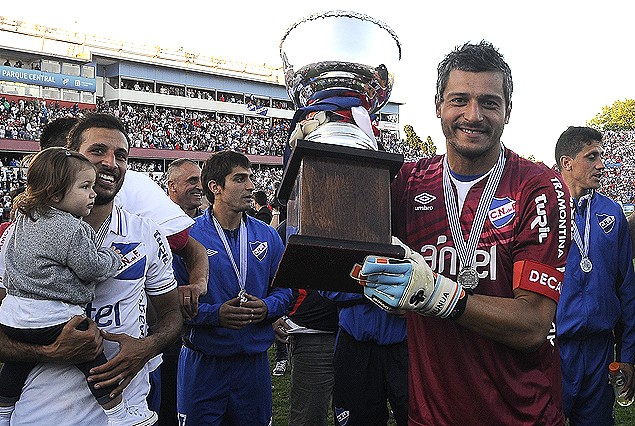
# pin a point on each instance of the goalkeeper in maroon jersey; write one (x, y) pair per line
(487, 238)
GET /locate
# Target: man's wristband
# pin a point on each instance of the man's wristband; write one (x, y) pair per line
(460, 306)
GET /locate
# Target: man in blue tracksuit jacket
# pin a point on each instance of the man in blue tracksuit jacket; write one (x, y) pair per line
(598, 290)
(371, 363)
(223, 373)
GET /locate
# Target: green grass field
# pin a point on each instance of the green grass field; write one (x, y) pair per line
(624, 416)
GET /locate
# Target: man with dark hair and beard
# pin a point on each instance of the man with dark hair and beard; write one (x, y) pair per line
(119, 307)
(140, 195)
(486, 239)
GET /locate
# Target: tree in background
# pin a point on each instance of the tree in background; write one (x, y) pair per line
(427, 148)
(619, 116)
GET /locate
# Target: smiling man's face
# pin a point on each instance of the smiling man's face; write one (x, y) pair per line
(107, 149)
(473, 113)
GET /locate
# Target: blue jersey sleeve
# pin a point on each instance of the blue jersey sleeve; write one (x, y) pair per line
(626, 291)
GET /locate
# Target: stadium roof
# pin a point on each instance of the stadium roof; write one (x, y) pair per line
(34, 38)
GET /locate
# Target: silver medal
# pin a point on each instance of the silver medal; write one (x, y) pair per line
(241, 274)
(466, 250)
(468, 278)
(583, 245)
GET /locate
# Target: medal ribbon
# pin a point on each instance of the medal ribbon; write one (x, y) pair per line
(241, 274)
(467, 250)
(101, 233)
(583, 246)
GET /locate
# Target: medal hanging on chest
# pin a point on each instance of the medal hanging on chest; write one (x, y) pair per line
(468, 278)
(241, 274)
(466, 250)
(583, 245)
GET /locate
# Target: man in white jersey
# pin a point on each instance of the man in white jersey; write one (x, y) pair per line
(119, 307)
(144, 197)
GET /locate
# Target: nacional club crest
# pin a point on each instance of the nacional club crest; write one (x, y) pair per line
(133, 261)
(502, 211)
(259, 249)
(607, 222)
(342, 416)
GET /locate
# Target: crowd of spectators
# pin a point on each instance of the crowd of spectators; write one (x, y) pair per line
(619, 158)
(24, 119)
(159, 128)
(190, 92)
(137, 86)
(12, 176)
(173, 129)
(392, 143)
(166, 89)
(16, 64)
(199, 93)
(166, 128)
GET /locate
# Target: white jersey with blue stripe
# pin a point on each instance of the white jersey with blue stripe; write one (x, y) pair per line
(120, 306)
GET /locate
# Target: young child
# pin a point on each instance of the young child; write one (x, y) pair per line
(52, 265)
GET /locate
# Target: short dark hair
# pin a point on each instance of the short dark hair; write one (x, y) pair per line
(479, 57)
(218, 166)
(572, 140)
(55, 132)
(260, 197)
(94, 121)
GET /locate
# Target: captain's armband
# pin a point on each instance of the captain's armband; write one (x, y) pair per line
(538, 278)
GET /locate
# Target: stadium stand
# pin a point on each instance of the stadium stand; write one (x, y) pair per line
(173, 103)
(619, 178)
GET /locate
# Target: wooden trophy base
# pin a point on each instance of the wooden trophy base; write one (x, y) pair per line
(338, 211)
(325, 263)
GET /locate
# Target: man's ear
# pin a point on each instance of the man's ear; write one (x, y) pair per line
(437, 105)
(213, 187)
(566, 163)
(508, 112)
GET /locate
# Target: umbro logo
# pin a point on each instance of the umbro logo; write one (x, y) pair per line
(211, 252)
(424, 199)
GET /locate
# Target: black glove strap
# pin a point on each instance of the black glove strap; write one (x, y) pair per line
(460, 306)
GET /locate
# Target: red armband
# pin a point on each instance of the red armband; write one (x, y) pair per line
(539, 278)
(178, 241)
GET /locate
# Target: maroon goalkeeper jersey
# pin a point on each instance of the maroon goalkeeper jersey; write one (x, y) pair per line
(458, 376)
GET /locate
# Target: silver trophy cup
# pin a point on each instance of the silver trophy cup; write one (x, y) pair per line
(330, 53)
(336, 182)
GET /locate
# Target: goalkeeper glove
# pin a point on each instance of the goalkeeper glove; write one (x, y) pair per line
(409, 284)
